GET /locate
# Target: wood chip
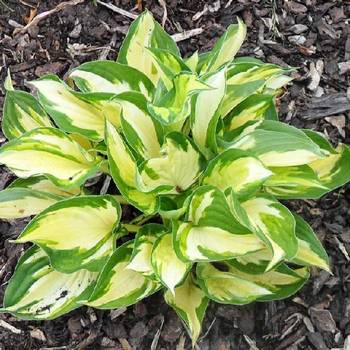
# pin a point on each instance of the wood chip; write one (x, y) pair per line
(116, 313)
(125, 344)
(339, 122)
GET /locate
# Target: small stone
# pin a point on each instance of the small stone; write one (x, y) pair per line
(298, 28)
(38, 334)
(296, 7)
(297, 39)
(344, 67)
(107, 343)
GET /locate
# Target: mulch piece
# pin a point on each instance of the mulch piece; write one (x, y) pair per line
(312, 35)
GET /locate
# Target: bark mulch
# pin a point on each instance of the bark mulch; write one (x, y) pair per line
(312, 35)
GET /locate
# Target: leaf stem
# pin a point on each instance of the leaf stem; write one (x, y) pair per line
(119, 198)
(141, 219)
(131, 228)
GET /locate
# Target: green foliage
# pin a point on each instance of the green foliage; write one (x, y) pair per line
(193, 143)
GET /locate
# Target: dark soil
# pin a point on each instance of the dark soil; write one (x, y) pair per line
(310, 34)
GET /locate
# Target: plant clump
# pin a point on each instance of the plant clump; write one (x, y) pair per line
(195, 145)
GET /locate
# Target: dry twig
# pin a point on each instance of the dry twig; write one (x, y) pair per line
(165, 12)
(48, 13)
(117, 9)
(187, 34)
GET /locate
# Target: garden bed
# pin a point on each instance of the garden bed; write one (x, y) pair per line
(303, 34)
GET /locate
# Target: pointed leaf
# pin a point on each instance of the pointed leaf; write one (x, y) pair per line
(334, 170)
(140, 260)
(36, 291)
(227, 288)
(168, 64)
(76, 233)
(274, 224)
(237, 169)
(251, 109)
(176, 170)
(119, 286)
(170, 270)
(112, 77)
(49, 152)
(22, 202)
(145, 33)
(22, 113)
(143, 134)
(310, 249)
(123, 170)
(190, 304)
(40, 183)
(242, 83)
(70, 112)
(282, 281)
(211, 231)
(226, 47)
(206, 112)
(175, 106)
(277, 144)
(296, 182)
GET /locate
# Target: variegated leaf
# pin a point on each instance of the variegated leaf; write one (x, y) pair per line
(37, 291)
(40, 183)
(226, 284)
(226, 47)
(192, 61)
(26, 197)
(242, 84)
(277, 144)
(224, 287)
(190, 303)
(176, 170)
(49, 152)
(211, 231)
(69, 111)
(175, 106)
(169, 64)
(111, 77)
(8, 84)
(169, 269)
(334, 170)
(124, 171)
(294, 182)
(206, 112)
(22, 113)
(282, 281)
(76, 233)
(251, 109)
(310, 249)
(237, 169)
(119, 286)
(145, 33)
(274, 224)
(143, 133)
(140, 260)
(22, 202)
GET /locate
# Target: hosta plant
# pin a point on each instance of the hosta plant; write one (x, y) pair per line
(195, 146)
